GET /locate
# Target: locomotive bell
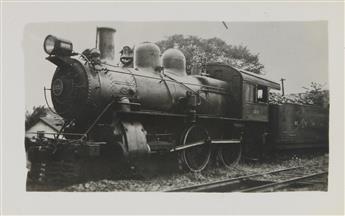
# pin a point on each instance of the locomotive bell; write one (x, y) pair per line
(147, 55)
(174, 61)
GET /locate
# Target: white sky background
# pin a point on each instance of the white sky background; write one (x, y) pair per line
(296, 51)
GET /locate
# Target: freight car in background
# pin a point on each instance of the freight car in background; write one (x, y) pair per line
(149, 105)
(299, 126)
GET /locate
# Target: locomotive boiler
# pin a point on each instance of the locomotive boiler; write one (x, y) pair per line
(149, 105)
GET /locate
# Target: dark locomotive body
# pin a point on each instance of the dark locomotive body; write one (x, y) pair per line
(152, 106)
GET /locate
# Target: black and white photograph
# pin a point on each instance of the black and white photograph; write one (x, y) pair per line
(208, 108)
(177, 106)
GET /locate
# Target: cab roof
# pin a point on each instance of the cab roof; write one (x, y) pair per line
(247, 76)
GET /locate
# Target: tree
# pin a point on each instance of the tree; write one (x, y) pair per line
(315, 94)
(198, 51)
(32, 118)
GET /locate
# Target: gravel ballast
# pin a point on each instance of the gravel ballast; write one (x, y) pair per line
(168, 181)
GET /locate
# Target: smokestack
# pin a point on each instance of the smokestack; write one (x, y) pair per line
(105, 43)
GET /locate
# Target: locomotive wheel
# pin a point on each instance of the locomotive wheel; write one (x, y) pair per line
(195, 158)
(229, 155)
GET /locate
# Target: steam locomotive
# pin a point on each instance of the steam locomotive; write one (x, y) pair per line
(149, 105)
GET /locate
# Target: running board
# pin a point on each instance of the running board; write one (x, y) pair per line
(229, 141)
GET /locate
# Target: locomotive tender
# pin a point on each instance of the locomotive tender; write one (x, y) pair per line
(149, 105)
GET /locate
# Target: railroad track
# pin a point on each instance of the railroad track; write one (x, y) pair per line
(254, 183)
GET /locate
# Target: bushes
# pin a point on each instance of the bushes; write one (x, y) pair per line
(314, 95)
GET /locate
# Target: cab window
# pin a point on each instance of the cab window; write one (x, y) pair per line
(262, 95)
(249, 93)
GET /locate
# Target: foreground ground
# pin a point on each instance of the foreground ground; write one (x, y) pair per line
(171, 180)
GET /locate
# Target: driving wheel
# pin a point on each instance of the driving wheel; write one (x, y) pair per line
(196, 157)
(229, 154)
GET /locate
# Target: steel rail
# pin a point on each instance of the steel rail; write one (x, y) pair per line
(221, 183)
(281, 184)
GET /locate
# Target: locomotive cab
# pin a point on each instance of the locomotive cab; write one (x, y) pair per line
(250, 92)
(250, 96)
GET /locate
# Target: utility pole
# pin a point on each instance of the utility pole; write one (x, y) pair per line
(282, 80)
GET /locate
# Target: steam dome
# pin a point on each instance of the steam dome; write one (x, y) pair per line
(174, 61)
(147, 55)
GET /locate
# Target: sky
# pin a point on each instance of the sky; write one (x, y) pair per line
(295, 51)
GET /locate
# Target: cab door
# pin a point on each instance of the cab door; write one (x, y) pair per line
(255, 102)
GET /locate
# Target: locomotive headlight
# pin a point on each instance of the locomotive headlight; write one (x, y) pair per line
(56, 46)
